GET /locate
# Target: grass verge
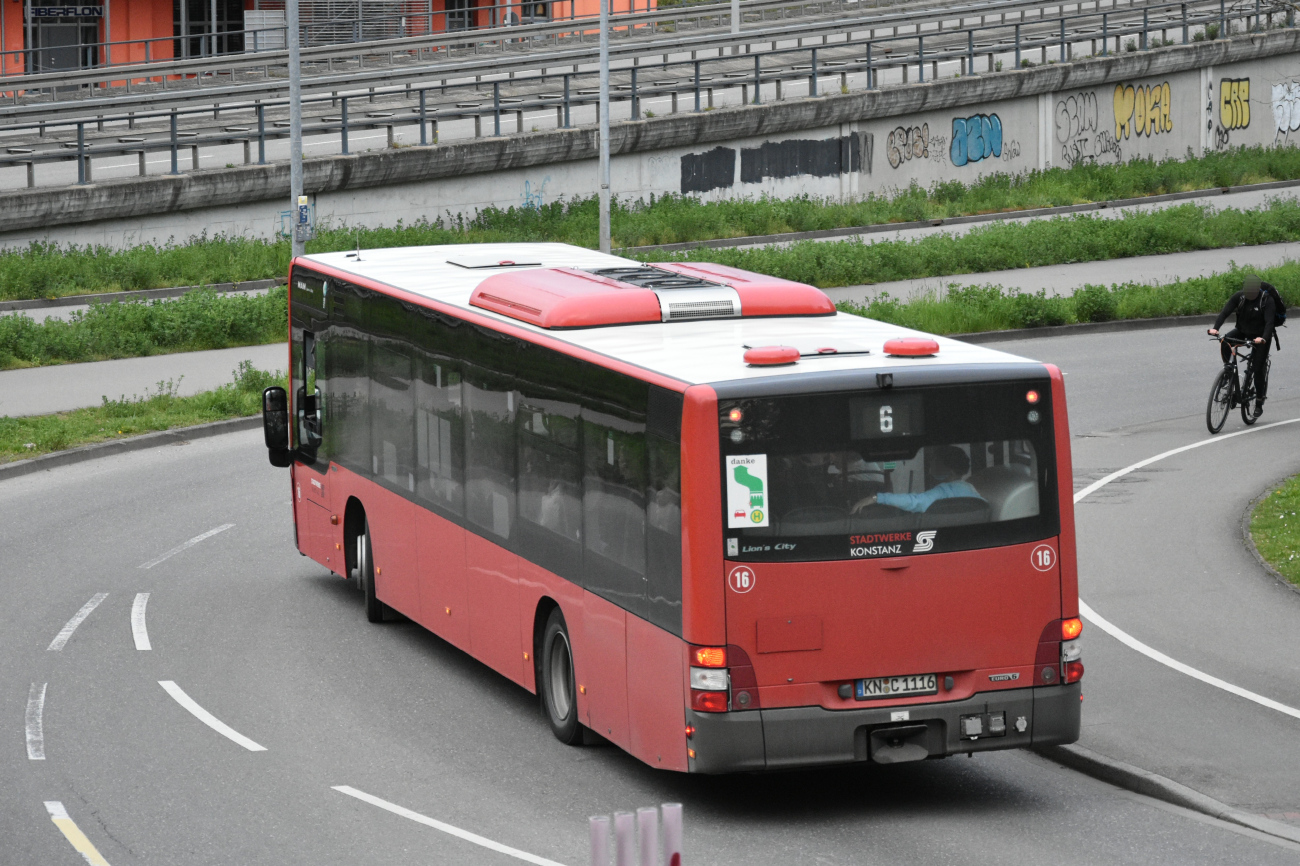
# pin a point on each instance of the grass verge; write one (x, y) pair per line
(163, 409)
(51, 270)
(988, 308)
(199, 320)
(1275, 529)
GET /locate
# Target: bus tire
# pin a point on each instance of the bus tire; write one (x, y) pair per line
(376, 610)
(557, 688)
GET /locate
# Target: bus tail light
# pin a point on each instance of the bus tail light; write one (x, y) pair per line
(1073, 671)
(1071, 628)
(709, 679)
(709, 656)
(708, 702)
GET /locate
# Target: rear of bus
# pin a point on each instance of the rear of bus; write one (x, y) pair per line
(897, 556)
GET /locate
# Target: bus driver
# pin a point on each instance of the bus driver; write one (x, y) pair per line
(948, 465)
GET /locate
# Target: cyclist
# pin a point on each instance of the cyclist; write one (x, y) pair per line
(1256, 315)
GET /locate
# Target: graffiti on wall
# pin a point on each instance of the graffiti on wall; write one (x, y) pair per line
(975, 138)
(1142, 110)
(535, 198)
(1230, 107)
(908, 143)
(1079, 133)
(1286, 109)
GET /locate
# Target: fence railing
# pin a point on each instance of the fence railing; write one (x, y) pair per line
(754, 75)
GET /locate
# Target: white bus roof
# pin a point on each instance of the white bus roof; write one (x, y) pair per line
(699, 351)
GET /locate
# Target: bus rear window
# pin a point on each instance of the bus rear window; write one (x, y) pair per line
(888, 473)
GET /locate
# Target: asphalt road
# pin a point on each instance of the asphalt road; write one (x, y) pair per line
(278, 650)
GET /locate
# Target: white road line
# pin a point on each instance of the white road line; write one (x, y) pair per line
(207, 718)
(445, 828)
(35, 722)
(138, 629)
(73, 834)
(1150, 652)
(61, 639)
(187, 545)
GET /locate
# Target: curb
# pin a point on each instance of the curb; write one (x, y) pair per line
(1084, 328)
(786, 237)
(138, 295)
(1140, 781)
(175, 436)
(1250, 541)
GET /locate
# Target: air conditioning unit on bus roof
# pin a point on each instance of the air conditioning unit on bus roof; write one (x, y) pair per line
(671, 292)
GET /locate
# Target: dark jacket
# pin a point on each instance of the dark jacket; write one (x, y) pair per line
(1254, 318)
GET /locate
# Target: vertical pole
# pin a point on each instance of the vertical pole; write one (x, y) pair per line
(647, 829)
(30, 65)
(1146, 24)
(496, 108)
(108, 32)
(758, 79)
(697, 86)
(175, 166)
(871, 82)
(812, 82)
(636, 100)
(604, 147)
(735, 17)
(1105, 32)
(212, 4)
(343, 106)
(81, 153)
(920, 59)
(424, 114)
(299, 240)
(599, 825)
(624, 830)
(1062, 39)
(970, 51)
(673, 834)
(261, 134)
(566, 100)
(1223, 20)
(185, 29)
(1184, 23)
(1018, 46)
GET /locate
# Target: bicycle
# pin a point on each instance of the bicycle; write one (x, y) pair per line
(1233, 386)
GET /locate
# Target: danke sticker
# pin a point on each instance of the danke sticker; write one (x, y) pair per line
(748, 501)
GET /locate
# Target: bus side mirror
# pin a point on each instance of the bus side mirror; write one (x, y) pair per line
(275, 426)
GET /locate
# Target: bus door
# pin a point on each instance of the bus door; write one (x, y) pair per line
(311, 484)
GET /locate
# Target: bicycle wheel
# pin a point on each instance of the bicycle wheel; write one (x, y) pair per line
(1248, 399)
(1221, 393)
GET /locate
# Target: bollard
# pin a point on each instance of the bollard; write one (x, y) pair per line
(599, 840)
(647, 829)
(624, 839)
(672, 834)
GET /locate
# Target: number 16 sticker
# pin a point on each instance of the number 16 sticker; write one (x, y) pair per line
(1043, 557)
(741, 579)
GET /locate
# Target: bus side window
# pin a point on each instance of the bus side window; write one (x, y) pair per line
(308, 398)
(392, 411)
(614, 509)
(440, 436)
(664, 533)
(489, 451)
(550, 485)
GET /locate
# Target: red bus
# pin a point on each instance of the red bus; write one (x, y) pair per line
(695, 509)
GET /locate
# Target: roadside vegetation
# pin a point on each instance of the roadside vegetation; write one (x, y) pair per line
(201, 319)
(974, 309)
(161, 409)
(1275, 529)
(51, 270)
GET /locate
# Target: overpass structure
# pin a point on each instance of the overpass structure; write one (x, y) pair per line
(80, 126)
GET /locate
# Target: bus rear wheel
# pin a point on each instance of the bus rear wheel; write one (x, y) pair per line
(559, 694)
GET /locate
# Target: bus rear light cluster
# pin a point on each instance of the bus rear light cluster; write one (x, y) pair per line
(1071, 650)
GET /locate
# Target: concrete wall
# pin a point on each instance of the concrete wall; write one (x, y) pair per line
(1167, 102)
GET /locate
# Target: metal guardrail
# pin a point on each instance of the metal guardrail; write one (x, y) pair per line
(483, 39)
(512, 64)
(337, 115)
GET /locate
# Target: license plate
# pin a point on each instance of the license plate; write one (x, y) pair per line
(895, 687)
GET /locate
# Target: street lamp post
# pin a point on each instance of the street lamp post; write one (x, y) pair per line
(604, 126)
(298, 202)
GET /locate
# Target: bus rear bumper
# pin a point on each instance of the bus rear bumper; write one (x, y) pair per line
(812, 736)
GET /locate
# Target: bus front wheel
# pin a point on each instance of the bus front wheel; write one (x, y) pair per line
(559, 695)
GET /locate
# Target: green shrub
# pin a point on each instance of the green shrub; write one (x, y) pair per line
(1095, 304)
